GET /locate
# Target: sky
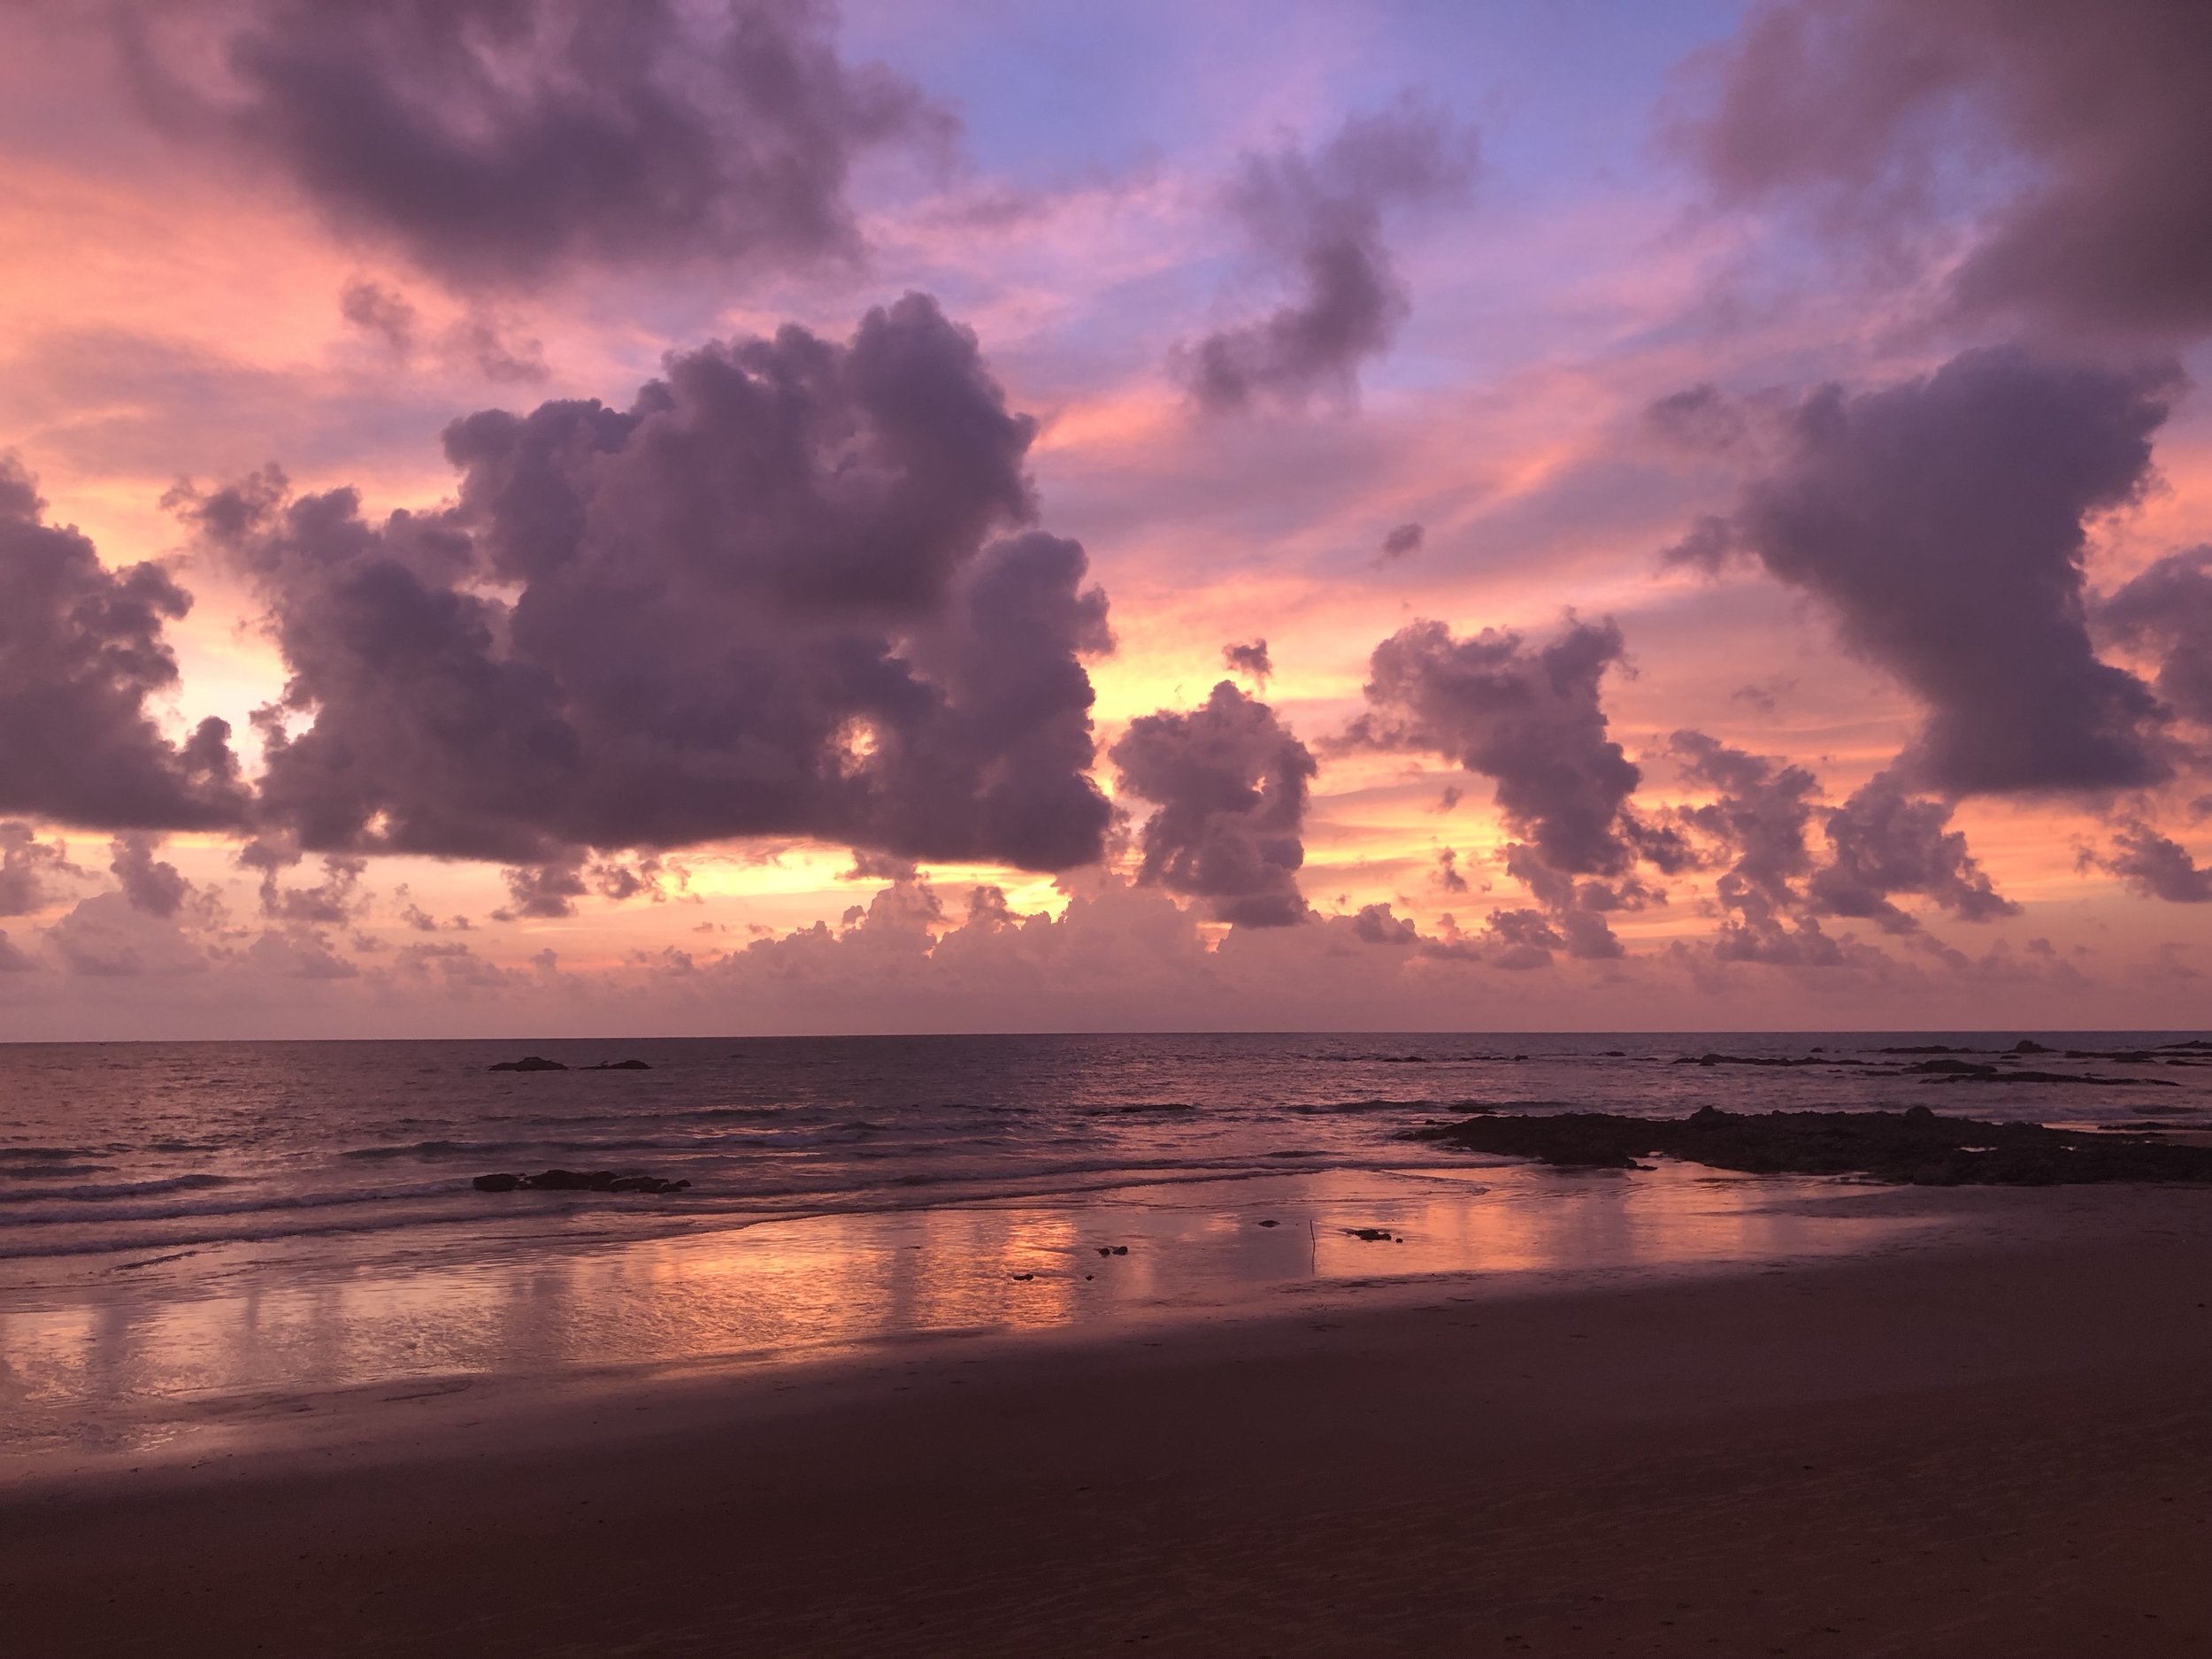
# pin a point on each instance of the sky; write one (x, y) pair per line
(741, 516)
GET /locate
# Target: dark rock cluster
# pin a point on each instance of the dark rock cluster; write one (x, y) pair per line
(1915, 1146)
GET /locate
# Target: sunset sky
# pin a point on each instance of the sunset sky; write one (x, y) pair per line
(537, 517)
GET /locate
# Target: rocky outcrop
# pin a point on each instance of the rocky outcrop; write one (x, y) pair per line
(529, 1062)
(1917, 1146)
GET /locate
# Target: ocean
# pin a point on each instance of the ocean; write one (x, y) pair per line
(193, 1231)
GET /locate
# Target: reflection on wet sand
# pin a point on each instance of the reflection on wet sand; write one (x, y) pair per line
(131, 1364)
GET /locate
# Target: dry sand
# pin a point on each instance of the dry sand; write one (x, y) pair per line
(1999, 1449)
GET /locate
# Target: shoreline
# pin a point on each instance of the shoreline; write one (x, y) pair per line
(2014, 1418)
(201, 1359)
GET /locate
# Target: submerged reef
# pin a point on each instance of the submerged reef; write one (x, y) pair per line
(1917, 1146)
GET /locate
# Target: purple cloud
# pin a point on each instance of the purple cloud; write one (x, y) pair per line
(2168, 608)
(1402, 540)
(1230, 782)
(1250, 659)
(28, 868)
(788, 592)
(1529, 719)
(152, 885)
(497, 141)
(2101, 216)
(1886, 841)
(1772, 891)
(82, 651)
(1941, 522)
(1321, 216)
(2155, 866)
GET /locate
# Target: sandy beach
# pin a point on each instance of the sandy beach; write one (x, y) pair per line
(1994, 1440)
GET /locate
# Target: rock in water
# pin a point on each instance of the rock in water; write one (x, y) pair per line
(1918, 1146)
(619, 1065)
(497, 1183)
(529, 1062)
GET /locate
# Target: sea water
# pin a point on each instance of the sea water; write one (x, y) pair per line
(187, 1228)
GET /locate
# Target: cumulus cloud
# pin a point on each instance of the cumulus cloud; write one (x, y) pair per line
(1533, 722)
(2167, 610)
(1320, 216)
(83, 654)
(1230, 783)
(2087, 122)
(29, 868)
(149, 884)
(107, 937)
(1773, 889)
(497, 141)
(542, 891)
(1530, 719)
(1886, 841)
(299, 953)
(1574, 911)
(1760, 815)
(1942, 523)
(1374, 925)
(2157, 867)
(1251, 659)
(789, 591)
(332, 901)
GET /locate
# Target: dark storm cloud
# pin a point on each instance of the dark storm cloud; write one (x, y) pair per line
(1320, 216)
(774, 596)
(2096, 114)
(1942, 521)
(2168, 608)
(1230, 782)
(1250, 659)
(1529, 719)
(495, 140)
(2157, 867)
(81, 653)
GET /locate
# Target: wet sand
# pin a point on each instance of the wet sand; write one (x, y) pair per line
(2000, 1443)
